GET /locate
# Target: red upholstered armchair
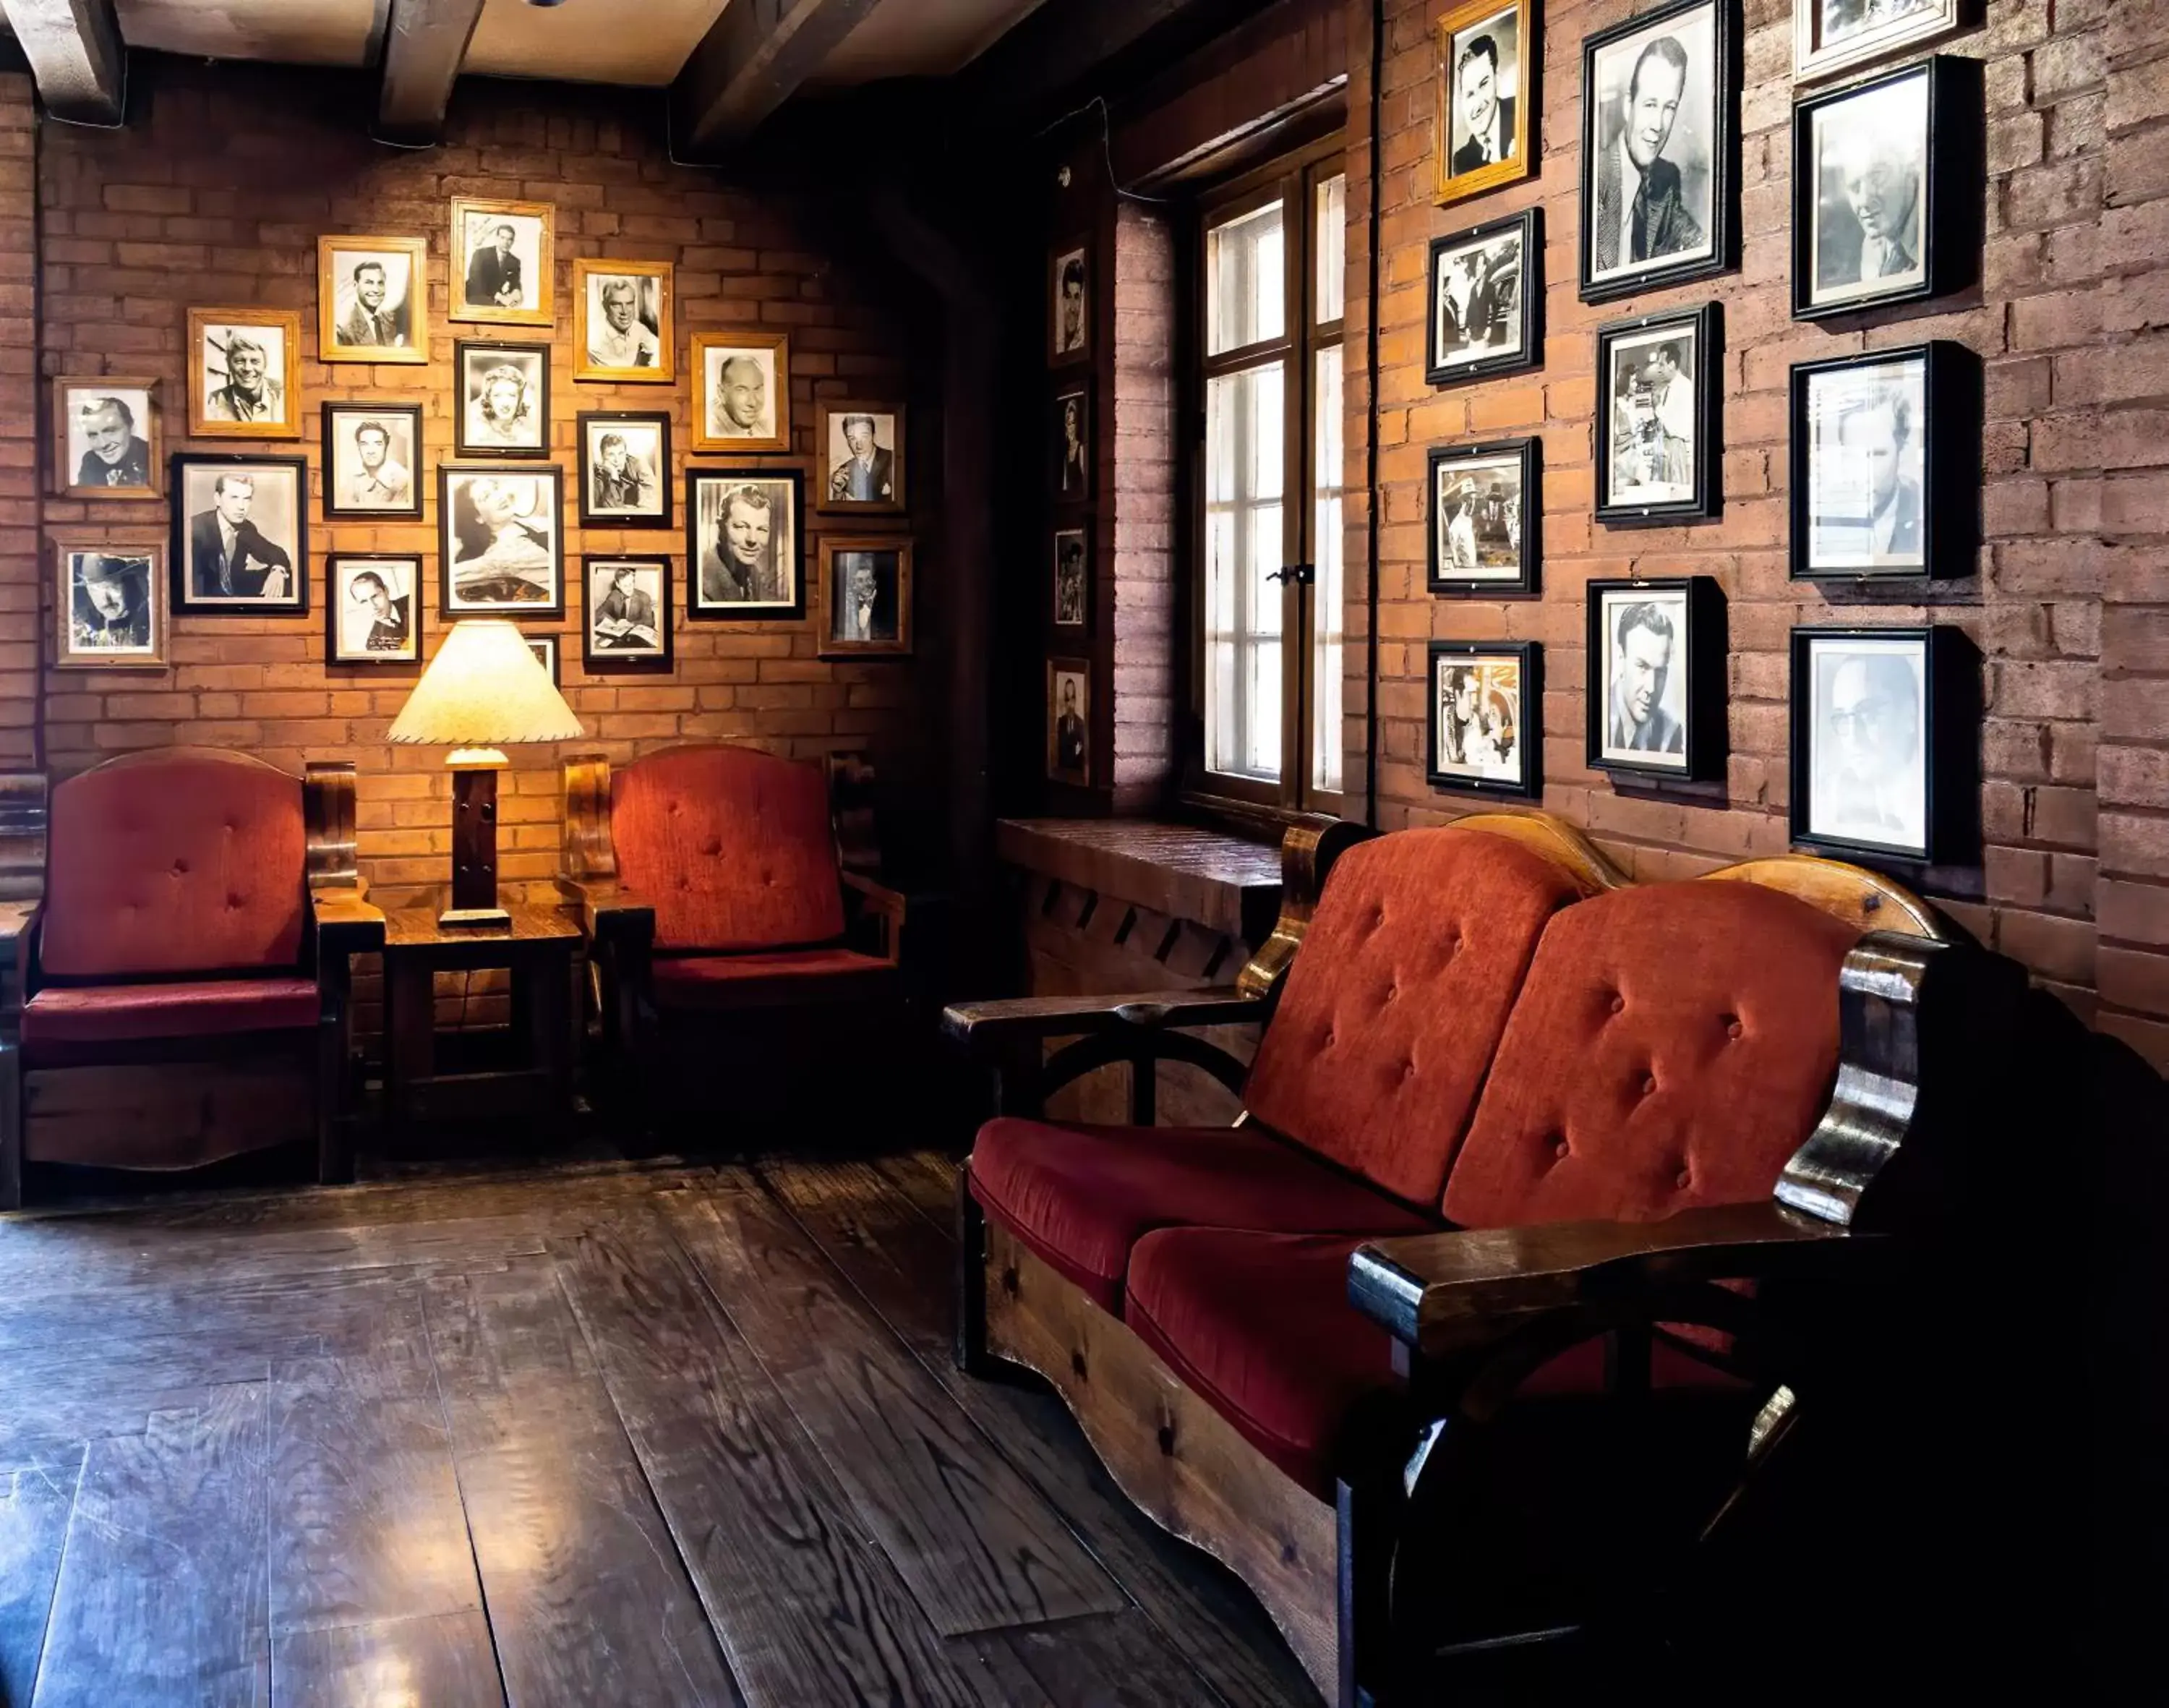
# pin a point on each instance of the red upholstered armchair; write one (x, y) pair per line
(184, 981)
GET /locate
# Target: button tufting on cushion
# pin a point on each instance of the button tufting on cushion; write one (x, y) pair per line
(1649, 1085)
(1618, 1003)
(1733, 1028)
(1559, 1149)
(1683, 1180)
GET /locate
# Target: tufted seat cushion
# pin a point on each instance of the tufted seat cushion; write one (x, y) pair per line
(1081, 1197)
(1393, 1008)
(61, 1022)
(1672, 1047)
(732, 847)
(764, 980)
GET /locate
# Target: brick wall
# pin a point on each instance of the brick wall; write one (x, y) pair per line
(19, 426)
(2068, 605)
(1141, 509)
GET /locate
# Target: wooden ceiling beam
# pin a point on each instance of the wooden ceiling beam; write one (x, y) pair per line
(76, 55)
(424, 44)
(1059, 49)
(752, 61)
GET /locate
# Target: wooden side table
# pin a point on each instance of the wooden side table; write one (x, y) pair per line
(537, 949)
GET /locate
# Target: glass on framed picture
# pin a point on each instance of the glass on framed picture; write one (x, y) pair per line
(503, 399)
(1482, 512)
(743, 543)
(242, 368)
(503, 542)
(628, 613)
(110, 600)
(372, 296)
(373, 608)
(240, 534)
(106, 434)
(1484, 298)
(742, 385)
(1864, 189)
(1483, 698)
(1657, 455)
(1069, 721)
(1863, 708)
(504, 258)
(864, 457)
(868, 583)
(625, 469)
(371, 451)
(1486, 60)
(1867, 505)
(1641, 664)
(1069, 314)
(623, 325)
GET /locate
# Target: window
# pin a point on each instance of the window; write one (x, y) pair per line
(1268, 656)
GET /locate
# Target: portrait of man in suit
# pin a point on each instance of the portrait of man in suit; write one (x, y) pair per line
(749, 544)
(1649, 196)
(1869, 772)
(1484, 60)
(230, 557)
(380, 619)
(494, 278)
(1643, 705)
(378, 319)
(1864, 468)
(111, 455)
(862, 459)
(1871, 159)
(1069, 746)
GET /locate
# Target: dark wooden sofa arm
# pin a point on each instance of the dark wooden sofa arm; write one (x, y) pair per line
(608, 911)
(347, 924)
(870, 899)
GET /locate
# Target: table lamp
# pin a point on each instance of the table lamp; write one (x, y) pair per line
(484, 690)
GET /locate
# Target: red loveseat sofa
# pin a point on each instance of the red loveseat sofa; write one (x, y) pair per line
(1522, 1089)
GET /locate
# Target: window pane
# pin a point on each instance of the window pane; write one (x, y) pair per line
(1332, 241)
(1245, 541)
(1325, 730)
(1246, 280)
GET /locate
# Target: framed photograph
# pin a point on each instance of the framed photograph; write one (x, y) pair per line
(622, 328)
(1487, 700)
(1657, 450)
(1885, 446)
(1070, 604)
(1069, 721)
(501, 544)
(1657, 668)
(545, 648)
(503, 399)
(373, 609)
(863, 456)
(744, 544)
(1487, 54)
(110, 601)
(743, 391)
(242, 363)
(1835, 36)
(1885, 727)
(625, 469)
(241, 535)
(1069, 446)
(1484, 514)
(868, 588)
(372, 453)
(1660, 134)
(105, 437)
(1878, 179)
(1486, 296)
(1069, 307)
(626, 612)
(373, 299)
(504, 258)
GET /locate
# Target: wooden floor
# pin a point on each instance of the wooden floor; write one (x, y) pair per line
(623, 1436)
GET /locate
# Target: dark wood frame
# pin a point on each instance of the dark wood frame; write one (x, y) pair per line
(665, 477)
(828, 646)
(1070, 633)
(1437, 371)
(461, 350)
(896, 506)
(1702, 652)
(1723, 156)
(66, 544)
(177, 566)
(609, 663)
(1949, 435)
(1529, 454)
(416, 352)
(665, 371)
(1528, 97)
(1080, 667)
(1529, 735)
(332, 410)
(1705, 326)
(151, 427)
(554, 474)
(335, 607)
(1082, 390)
(1057, 254)
(697, 612)
(1811, 64)
(1949, 212)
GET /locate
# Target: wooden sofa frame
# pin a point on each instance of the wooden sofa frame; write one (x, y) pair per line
(1472, 1313)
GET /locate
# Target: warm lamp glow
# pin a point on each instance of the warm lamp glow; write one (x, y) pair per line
(485, 688)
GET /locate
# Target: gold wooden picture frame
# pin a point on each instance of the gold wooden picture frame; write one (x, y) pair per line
(108, 604)
(731, 413)
(508, 281)
(107, 437)
(373, 299)
(644, 350)
(243, 364)
(1488, 52)
(866, 591)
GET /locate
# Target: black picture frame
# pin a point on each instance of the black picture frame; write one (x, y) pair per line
(1948, 736)
(1950, 206)
(1527, 781)
(1528, 225)
(1527, 456)
(1700, 652)
(602, 661)
(465, 347)
(1723, 256)
(1080, 393)
(335, 605)
(697, 610)
(553, 476)
(665, 486)
(180, 570)
(1949, 434)
(545, 648)
(1080, 528)
(1705, 326)
(333, 414)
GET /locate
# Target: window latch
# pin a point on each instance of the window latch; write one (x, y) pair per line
(1301, 574)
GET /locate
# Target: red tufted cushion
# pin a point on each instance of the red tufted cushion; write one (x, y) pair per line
(1081, 1197)
(60, 1020)
(186, 862)
(732, 847)
(731, 981)
(1672, 1047)
(1397, 1000)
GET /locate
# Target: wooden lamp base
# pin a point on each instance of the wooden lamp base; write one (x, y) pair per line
(474, 840)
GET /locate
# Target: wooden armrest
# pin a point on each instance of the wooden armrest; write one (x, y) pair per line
(879, 897)
(346, 925)
(995, 1024)
(607, 909)
(1436, 1292)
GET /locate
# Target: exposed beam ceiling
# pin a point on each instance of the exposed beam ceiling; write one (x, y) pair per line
(1059, 47)
(76, 55)
(752, 60)
(424, 44)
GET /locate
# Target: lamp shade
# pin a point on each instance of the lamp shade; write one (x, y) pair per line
(485, 688)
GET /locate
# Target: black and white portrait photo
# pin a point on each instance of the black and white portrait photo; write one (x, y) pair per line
(1071, 445)
(1656, 411)
(869, 592)
(1861, 709)
(1484, 105)
(373, 609)
(372, 299)
(864, 458)
(1482, 512)
(1863, 187)
(504, 258)
(1657, 104)
(111, 603)
(545, 648)
(241, 373)
(628, 613)
(625, 470)
(1069, 720)
(743, 543)
(108, 435)
(1073, 578)
(1834, 35)
(503, 399)
(1657, 665)
(1484, 298)
(502, 544)
(1866, 508)
(241, 533)
(1481, 695)
(621, 321)
(1070, 323)
(744, 401)
(372, 459)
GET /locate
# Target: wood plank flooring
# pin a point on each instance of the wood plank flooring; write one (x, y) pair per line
(614, 1435)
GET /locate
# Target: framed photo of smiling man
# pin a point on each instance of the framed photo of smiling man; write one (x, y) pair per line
(1656, 663)
(1487, 97)
(105, 437)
